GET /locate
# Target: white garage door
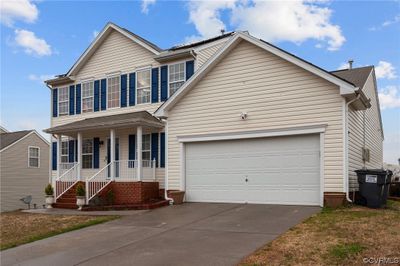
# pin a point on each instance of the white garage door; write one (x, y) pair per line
(279, 170)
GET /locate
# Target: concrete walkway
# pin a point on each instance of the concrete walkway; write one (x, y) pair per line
(189, 234)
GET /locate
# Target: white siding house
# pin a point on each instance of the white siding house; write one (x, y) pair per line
(229, 119)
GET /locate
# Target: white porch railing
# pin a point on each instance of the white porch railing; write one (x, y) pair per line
(124, 171)
(66, 180)
(64, 167)
(97, 182)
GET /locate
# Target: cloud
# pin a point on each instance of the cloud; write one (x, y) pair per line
(32, 44)
(343, 66)
(24, 10)
(40, 78)
(389, 97)
(295, 21)
(94, 34)
(386, 23)
(146, 4)
(385, 70)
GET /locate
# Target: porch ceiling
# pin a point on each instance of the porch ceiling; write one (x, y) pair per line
(142, 118)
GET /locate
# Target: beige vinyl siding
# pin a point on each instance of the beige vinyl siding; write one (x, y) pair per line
(373, 135)
(274, 93)
(203, 54)
(17, 179)
(123, 135)
(116, 53)
(119, 54)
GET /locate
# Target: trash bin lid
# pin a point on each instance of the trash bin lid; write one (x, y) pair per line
(372, 171)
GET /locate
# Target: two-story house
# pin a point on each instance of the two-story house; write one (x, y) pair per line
(227, 119)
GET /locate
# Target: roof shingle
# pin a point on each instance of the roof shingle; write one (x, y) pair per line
(6, 139)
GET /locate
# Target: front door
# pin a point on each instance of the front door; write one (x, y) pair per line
(116, 156)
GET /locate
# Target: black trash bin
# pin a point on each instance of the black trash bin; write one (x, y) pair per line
(372, 184)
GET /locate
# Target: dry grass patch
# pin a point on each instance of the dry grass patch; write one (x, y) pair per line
(336, 237)
(20, 227)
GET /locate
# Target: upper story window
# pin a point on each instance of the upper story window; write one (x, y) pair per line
(176, 77)
(113, 92)
(34, 157)
(87, 153)
(64, 152)
(143, 86)
(87, 97)
(63, 101)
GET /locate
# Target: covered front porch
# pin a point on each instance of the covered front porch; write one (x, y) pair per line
(103, 151)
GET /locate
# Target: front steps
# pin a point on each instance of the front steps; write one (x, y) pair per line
(127, 196)
(68, 199)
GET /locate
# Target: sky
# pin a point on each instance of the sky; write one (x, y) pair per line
(40, 39)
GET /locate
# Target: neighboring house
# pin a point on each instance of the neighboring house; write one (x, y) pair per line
(24, 168)
(228, 119)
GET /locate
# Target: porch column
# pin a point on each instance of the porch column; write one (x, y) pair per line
(139, 153)
(59, 154)
(79, 155)
(112, 153)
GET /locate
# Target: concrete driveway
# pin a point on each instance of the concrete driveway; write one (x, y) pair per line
(189, 234)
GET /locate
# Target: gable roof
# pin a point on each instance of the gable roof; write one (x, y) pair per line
(8, 139)
(345, 86)
(357, 76)
(100, 38)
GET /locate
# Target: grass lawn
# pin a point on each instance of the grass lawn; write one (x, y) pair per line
(18, 228)
(336, 237)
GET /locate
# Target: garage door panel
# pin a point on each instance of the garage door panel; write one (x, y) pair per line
(281, 170)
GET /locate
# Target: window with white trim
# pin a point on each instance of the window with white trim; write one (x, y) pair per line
(146, 147)
(63, 101)
(176, 77)
(143, 86)
(87, 153)
(34, 157)
(113, 92)
(64, 152)
(87, 97)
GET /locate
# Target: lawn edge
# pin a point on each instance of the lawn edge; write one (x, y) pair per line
(97, 220)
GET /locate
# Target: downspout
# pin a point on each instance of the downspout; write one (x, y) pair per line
(166, 166)
(346, 141)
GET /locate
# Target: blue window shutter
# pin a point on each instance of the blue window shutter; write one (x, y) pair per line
(154, 147)
(72, 100)
(78, 98)
(154, 85)
(76, 150)
(55, 102)
(71, 151)
(132, 89)
(103, 84)
(162, 149)
(96, 153)
(164, 83)
(189, 69)
(54, 156)
(96, 95)
(132, 147)
(124, 91)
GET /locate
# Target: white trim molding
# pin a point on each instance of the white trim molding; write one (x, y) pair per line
(301, 130)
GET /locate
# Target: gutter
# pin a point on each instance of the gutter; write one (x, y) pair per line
(346, 143)
(171, 201)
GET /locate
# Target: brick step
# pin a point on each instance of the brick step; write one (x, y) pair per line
(65, 205)
(66, 196)
(66, 200)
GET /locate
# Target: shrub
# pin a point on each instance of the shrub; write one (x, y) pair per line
(49, 190)
(110, 197)
(80, 190)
